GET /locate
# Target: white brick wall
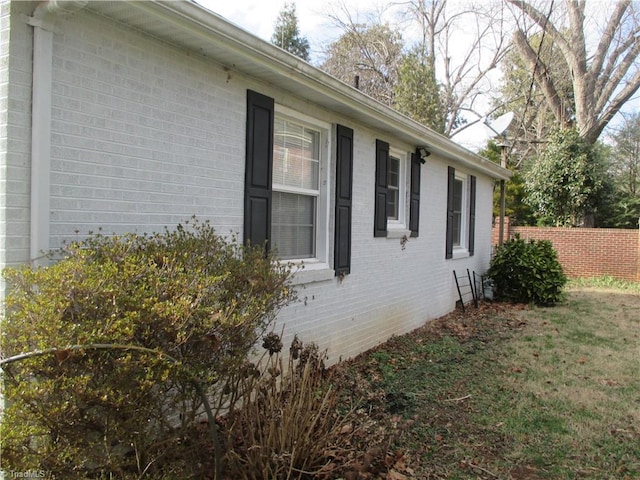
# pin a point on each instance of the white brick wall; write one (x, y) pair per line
(145, 135)
(15, 134)
(390, 290)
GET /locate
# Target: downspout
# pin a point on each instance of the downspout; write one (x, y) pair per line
(43, 23)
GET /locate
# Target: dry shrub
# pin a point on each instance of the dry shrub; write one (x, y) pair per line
(295, 423)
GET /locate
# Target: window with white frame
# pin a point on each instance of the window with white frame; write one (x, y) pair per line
(298, 222)
(393, 184)
(396, 207)
(459, 213)
(397, 190)
(397, 182)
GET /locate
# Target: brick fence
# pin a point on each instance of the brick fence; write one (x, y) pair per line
(586, 252)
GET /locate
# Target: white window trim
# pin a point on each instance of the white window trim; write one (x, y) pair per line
(398, 187)
(399, 228)
(311, 269)
(462, 250)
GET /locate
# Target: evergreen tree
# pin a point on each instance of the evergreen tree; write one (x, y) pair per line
(367, 56)
(516, 207)
(626, 158)
(625, 171)
(565, 185)
(418, 93)
(287, 34)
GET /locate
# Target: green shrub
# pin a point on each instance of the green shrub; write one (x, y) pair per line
(527, 272)
(141, 328)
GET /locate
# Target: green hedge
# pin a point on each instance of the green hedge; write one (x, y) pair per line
(527, 272)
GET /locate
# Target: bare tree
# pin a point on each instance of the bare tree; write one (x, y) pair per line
(604, 75)
(534, 119)
(465, 43)
(458, 43)
(367, 55)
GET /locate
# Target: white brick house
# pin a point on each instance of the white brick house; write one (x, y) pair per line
(132, 116)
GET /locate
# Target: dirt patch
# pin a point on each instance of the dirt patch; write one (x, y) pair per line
(524, 473)
(428, 419)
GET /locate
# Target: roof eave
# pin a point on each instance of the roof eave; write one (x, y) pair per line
(298, 77)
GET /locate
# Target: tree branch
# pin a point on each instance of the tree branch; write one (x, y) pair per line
(541, 75)
(613, 79)
(632, 41)
(608, 35)
(593, 132)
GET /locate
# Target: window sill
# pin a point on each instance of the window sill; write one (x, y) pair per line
(398, 232)
(460, 253)
(310, 272)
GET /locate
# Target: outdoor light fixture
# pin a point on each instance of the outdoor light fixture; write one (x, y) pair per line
(424, 153)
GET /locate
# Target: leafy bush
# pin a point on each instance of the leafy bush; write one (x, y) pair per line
(138, 332)
(527, 272)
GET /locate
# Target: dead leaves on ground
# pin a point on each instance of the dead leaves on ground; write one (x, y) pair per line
(488, 321)
(475, 321)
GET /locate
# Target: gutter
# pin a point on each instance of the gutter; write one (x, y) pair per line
(43, 23)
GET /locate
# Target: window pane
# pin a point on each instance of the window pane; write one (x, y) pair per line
(456, 228)
(296, 156)
(457, 211)
(392, 204)
(293, 225)
(393, 185)
(393, 172)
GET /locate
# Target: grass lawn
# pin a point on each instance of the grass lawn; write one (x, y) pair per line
(512, 392)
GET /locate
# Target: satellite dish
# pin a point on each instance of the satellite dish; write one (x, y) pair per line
(500, 124)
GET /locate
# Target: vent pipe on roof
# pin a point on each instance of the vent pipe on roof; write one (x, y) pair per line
(43, 22)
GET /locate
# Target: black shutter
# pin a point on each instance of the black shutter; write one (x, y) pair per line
(344, 177)
(259, 165)
(380, 212)
(451, 176)
(472, 213)
(414, 207)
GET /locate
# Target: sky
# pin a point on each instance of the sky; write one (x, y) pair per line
(259, 17)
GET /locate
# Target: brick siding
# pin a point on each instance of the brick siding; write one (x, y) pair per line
(145, 134)
(15, 134)
(587, 252)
